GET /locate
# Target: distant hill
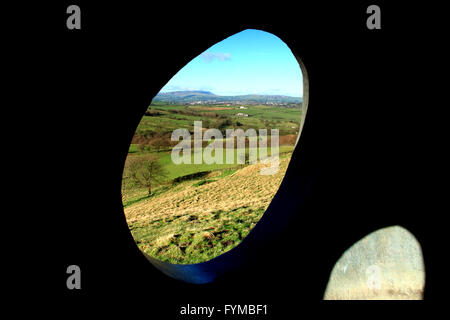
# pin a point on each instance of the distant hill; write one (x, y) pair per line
(184, 94)
(209, 97)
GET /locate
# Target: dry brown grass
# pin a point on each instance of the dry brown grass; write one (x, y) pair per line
(192, 223)
(288, 140)
(246, 187)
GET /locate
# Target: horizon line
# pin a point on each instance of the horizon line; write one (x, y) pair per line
(232, 95)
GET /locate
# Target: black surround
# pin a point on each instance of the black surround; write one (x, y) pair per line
(360, 164)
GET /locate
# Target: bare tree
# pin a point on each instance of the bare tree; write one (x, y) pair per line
(146, 171)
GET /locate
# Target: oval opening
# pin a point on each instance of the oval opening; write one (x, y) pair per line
(212, 150)
(385, 265)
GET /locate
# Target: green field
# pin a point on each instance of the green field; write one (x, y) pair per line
(260, 116)
(177, 170)
(195, 212)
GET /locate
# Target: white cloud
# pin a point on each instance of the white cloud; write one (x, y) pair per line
(211, 56)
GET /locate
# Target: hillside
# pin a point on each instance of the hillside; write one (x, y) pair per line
(209, 97)
(197, 220)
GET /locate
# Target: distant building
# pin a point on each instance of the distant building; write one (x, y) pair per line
(242, 107)
(240, 114)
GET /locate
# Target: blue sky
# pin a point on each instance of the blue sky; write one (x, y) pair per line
(249, 62)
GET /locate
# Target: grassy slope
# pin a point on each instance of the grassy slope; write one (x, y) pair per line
(132, 193)
(193, 222)
(196, 220)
